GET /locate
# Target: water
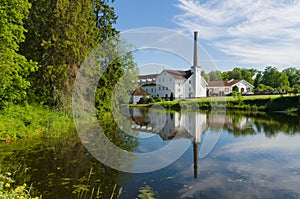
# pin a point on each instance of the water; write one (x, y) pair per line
(229, 155)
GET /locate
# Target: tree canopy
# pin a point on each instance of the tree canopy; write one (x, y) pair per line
(14, 67)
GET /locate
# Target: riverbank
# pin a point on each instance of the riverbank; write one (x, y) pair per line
(265, 103)
(32, 121)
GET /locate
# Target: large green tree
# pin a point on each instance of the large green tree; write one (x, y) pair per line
(274, 78)
(14, 68)
(293, 75)
(242, 73)
(61, 34)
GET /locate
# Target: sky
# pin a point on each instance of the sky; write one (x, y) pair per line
(234, 33)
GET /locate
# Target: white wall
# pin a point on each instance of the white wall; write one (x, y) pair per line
(165, 84)
(136, 98)
(150, 89)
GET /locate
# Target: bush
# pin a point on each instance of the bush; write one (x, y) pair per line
(158, 98)
(30, 121)
(172, 97)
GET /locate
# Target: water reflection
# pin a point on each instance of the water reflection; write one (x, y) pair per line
(257, 156)
(203, 129)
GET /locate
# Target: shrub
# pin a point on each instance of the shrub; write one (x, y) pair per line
(172, 97)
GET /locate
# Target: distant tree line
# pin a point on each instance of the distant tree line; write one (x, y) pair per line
(269, 79)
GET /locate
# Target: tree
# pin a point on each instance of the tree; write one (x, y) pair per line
(225, 76)
(258, 79)
(235, 88)
(293, 76)
(172, 97)
(61, 34)
(235, 74)
(205, 76)
(242, 73)
(14, 68)
(273, 78)
(215, 75)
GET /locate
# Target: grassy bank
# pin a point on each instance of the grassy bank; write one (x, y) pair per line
(265, 103)
(32, 121)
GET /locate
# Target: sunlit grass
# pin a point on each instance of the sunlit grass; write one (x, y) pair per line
(32, 121)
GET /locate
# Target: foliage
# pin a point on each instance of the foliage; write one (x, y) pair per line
(215, 75)
(256, 103)
(284, 103)
(235, 88)
(242, 73)
(205, 76)
(14, 68)
(172, 97)
(61, 33)
(9, 190)
(115, 83)
(30, 121)
(293, 75)
(272, 77)
(158, 98)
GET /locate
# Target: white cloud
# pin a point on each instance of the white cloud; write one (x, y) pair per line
(254, 31)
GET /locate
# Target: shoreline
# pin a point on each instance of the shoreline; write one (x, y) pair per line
(244, 103)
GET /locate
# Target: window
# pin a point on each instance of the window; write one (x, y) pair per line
(179, 90)
(226, 89)
(151, 89)
(190, 89)
(190, 82)
(159, 88)
(163, 88)
(178, 84)
(167, 88)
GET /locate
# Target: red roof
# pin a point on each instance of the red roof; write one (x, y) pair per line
(222, 83)
(140, 92)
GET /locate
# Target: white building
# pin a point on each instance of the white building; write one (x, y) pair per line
(183, 84)
(138, 94)
(221, 88)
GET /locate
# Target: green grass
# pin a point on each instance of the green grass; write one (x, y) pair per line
(252, 103)
(31, 121)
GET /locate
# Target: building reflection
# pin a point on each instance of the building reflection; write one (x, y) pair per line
(175, 125)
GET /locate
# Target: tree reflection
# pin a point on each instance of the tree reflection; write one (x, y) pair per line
(63, 168)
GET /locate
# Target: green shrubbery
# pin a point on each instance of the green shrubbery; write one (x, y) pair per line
(257, 103)
(18, 121)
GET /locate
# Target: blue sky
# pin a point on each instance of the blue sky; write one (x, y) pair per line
(244, 33)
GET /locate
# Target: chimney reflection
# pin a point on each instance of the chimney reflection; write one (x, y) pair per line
(195, 155)
(192, 125)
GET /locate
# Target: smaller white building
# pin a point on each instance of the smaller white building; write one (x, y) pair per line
(221, 88)
(138, 94)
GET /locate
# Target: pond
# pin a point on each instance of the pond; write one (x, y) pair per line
(209, 155)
